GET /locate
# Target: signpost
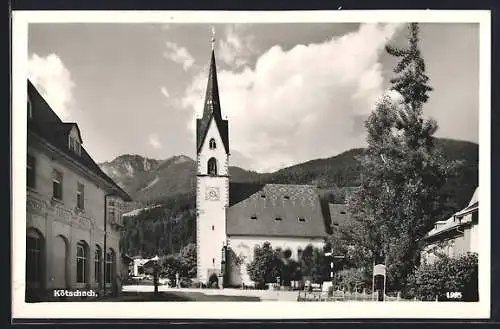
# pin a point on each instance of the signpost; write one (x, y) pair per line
(379, 274)
(330, 254)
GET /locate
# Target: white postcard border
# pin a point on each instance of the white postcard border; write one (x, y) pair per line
(241, 310)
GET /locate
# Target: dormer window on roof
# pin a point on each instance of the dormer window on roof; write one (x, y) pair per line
(301, 219)
(74, 145)
(253, 217)
(286, 197)
(278, 219)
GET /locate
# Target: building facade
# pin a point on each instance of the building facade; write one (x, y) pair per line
(241, 216)
(455, 236)
(73, 209)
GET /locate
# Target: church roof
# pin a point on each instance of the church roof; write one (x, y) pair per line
(212, 110)
(338, 214)
(275, 210)
(46, 124)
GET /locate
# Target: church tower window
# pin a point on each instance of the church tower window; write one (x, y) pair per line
(212, 167)
(212, 144)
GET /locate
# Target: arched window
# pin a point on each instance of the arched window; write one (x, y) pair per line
(98, 264)
(212, 167)
(212, 144)
(110, 261)
(81, 262)
(34, 258)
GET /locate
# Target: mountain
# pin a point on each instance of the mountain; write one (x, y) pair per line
(169, 184)
(151, 180)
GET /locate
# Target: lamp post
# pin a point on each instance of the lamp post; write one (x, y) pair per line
(155, 273)
(333, 257)
(105, 251)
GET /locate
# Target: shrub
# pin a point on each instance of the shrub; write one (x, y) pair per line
(445, 276)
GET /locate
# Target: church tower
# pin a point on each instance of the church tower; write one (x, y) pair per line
(212, 182)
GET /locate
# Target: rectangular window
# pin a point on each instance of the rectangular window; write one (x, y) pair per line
(30, 171)
(74, 145)
(113, 212)
(77, 147)
(71, 143)
(57, 181)
(80, 196)
(111, 215)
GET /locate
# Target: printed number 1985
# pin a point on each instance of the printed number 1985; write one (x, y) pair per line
(454, 295)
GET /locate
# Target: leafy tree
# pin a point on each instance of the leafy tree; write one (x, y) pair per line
(188, 262)
(313, 264)
(172, 265)
(447, 275)
(402, 171)
(266, 265)
(353, 279)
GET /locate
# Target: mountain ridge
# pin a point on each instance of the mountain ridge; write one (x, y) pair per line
(150, 180)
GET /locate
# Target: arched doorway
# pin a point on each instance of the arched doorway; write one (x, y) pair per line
(35, 263)
(60, 255)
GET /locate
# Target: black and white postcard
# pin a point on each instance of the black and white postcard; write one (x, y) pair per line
(295, 164)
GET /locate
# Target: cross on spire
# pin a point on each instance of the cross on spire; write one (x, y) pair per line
(213, 38)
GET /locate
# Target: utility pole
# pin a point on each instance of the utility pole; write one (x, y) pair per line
(332, 259)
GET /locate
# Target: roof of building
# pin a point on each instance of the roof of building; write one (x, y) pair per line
(275, 210)
(456, 220)
(212, 110)
(46, 124)
(338, 214)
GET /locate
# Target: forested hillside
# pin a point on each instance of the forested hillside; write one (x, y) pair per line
(148, 232)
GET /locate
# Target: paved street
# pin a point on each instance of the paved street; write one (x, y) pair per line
(193, 294)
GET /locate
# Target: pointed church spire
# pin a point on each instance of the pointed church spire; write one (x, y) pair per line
(212, 103)
(211, 106)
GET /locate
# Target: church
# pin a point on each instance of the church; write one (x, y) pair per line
(238, 217)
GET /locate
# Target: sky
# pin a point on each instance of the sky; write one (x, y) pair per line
(291, 92)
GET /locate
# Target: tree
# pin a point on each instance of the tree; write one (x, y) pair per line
(352, 279)
(402, 171)
(306, 261)
(172, 266)
(188, 262)
(313, 264)
(266, 265)
(447, 275)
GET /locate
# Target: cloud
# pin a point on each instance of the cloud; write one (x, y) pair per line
(164, 92)
(179, 55)
(154, 141)
(53, 80)
(237, 46)
(300, 104)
